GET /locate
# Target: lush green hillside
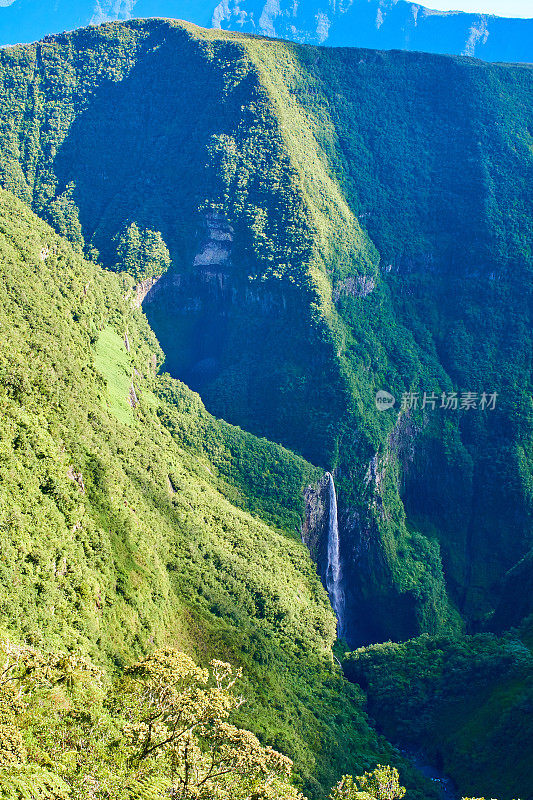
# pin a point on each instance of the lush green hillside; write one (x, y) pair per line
(332, 223)
(338, 222)
(466, 703)
(124, 528)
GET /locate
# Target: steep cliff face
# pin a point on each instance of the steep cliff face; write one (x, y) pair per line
(515, 597)
(382, 600)
(321, 252)
(315, 524)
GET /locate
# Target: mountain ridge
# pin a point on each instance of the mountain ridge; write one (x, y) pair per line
(374, 24)
(333, 223)
(344, 232)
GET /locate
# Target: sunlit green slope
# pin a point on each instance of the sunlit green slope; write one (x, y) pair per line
(127, 527)
(373, 224)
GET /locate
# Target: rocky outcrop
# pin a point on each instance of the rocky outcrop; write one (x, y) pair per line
(145, 290)
(375, 610)
(132, 397)
(315, 525)
(215, 250)
(209, 281)
(376, 24)
(354, 286)
(77, 477)
(212, 282)
(381, 25)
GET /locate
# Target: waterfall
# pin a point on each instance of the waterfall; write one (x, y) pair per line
(334, 570)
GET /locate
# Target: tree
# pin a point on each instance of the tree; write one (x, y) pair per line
(383, 783)
(163, 731)
(142, 253)
(27, 674)
(180, 733)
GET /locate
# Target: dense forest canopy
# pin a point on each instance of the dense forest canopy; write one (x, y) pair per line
(305, 228)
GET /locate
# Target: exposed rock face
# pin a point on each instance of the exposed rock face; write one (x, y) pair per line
(132, 398)
(144, 289)
(216, 248)
(381, 25)
(315, 535)
(315, 526)
(377, 24)
(204, 297)
(354, 285)
(375, 611)
(210, 279)
(77, 477)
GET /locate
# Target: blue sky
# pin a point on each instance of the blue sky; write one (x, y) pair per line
(503, 8)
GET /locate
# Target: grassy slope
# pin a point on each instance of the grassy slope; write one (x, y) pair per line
(112, 362)
(153, 122)
(81, 142)
(150, 549)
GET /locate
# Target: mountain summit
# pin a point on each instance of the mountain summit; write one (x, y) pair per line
(379, 24)
(334, 249)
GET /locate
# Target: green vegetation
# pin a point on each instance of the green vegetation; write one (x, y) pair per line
(164, 727)
(142, 254)
(365, 247)
(161, 730)
(123, 534)
(112, 362)
(329, 223)
(382, 783)
(461, 701)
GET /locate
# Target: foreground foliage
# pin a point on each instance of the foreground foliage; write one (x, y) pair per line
(163, 730)
(382, 784)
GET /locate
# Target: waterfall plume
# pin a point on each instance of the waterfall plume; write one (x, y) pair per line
(334, 567)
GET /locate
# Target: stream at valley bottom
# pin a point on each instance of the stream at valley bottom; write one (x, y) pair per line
(444, 785)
